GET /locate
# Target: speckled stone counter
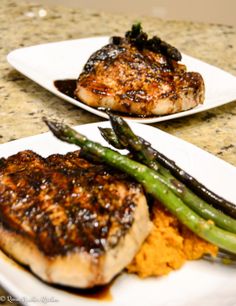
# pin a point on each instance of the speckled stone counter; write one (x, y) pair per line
(23, 103)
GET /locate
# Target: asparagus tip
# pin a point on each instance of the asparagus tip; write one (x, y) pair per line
(57, 128)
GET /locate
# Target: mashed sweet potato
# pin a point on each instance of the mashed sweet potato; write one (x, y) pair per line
(169, 245)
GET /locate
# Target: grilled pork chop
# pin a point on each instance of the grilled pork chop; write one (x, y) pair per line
(71, 221)
(141, 76)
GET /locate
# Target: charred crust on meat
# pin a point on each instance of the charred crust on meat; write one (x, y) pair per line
(2, 163)
(64, 202)
(108, 52)
(139, 39)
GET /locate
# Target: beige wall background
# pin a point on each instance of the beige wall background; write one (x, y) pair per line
(213, 11)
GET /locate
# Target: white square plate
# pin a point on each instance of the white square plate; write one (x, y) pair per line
(65, 60)
(197, 283)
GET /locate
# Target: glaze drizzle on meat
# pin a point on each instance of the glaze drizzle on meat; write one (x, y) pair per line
(71, 221)
(141, 76)
(64, 202)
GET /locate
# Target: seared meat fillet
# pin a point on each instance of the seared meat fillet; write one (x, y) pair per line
(122, 77)
(72, 222)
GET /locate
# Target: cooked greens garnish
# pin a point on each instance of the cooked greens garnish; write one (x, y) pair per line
(140, 39)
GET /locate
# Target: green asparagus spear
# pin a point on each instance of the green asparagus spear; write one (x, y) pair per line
(111, 138)
(198, 188)
(153, 185)
(222, 257)
(146, 154)
(138, 149)
(201, 207)
(206, 212)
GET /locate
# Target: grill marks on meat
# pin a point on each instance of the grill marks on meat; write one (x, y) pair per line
(64, 202)
(124, 78)
(64, 205)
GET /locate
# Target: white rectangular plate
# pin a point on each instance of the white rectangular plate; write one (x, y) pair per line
(197, 283)
(65, 60)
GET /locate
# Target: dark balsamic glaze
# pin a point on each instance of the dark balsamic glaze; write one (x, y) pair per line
(99, 293)
(68, 86)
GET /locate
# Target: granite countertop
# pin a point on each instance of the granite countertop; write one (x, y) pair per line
(23, 103)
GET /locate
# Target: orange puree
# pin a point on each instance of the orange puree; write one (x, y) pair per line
(169, 245)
